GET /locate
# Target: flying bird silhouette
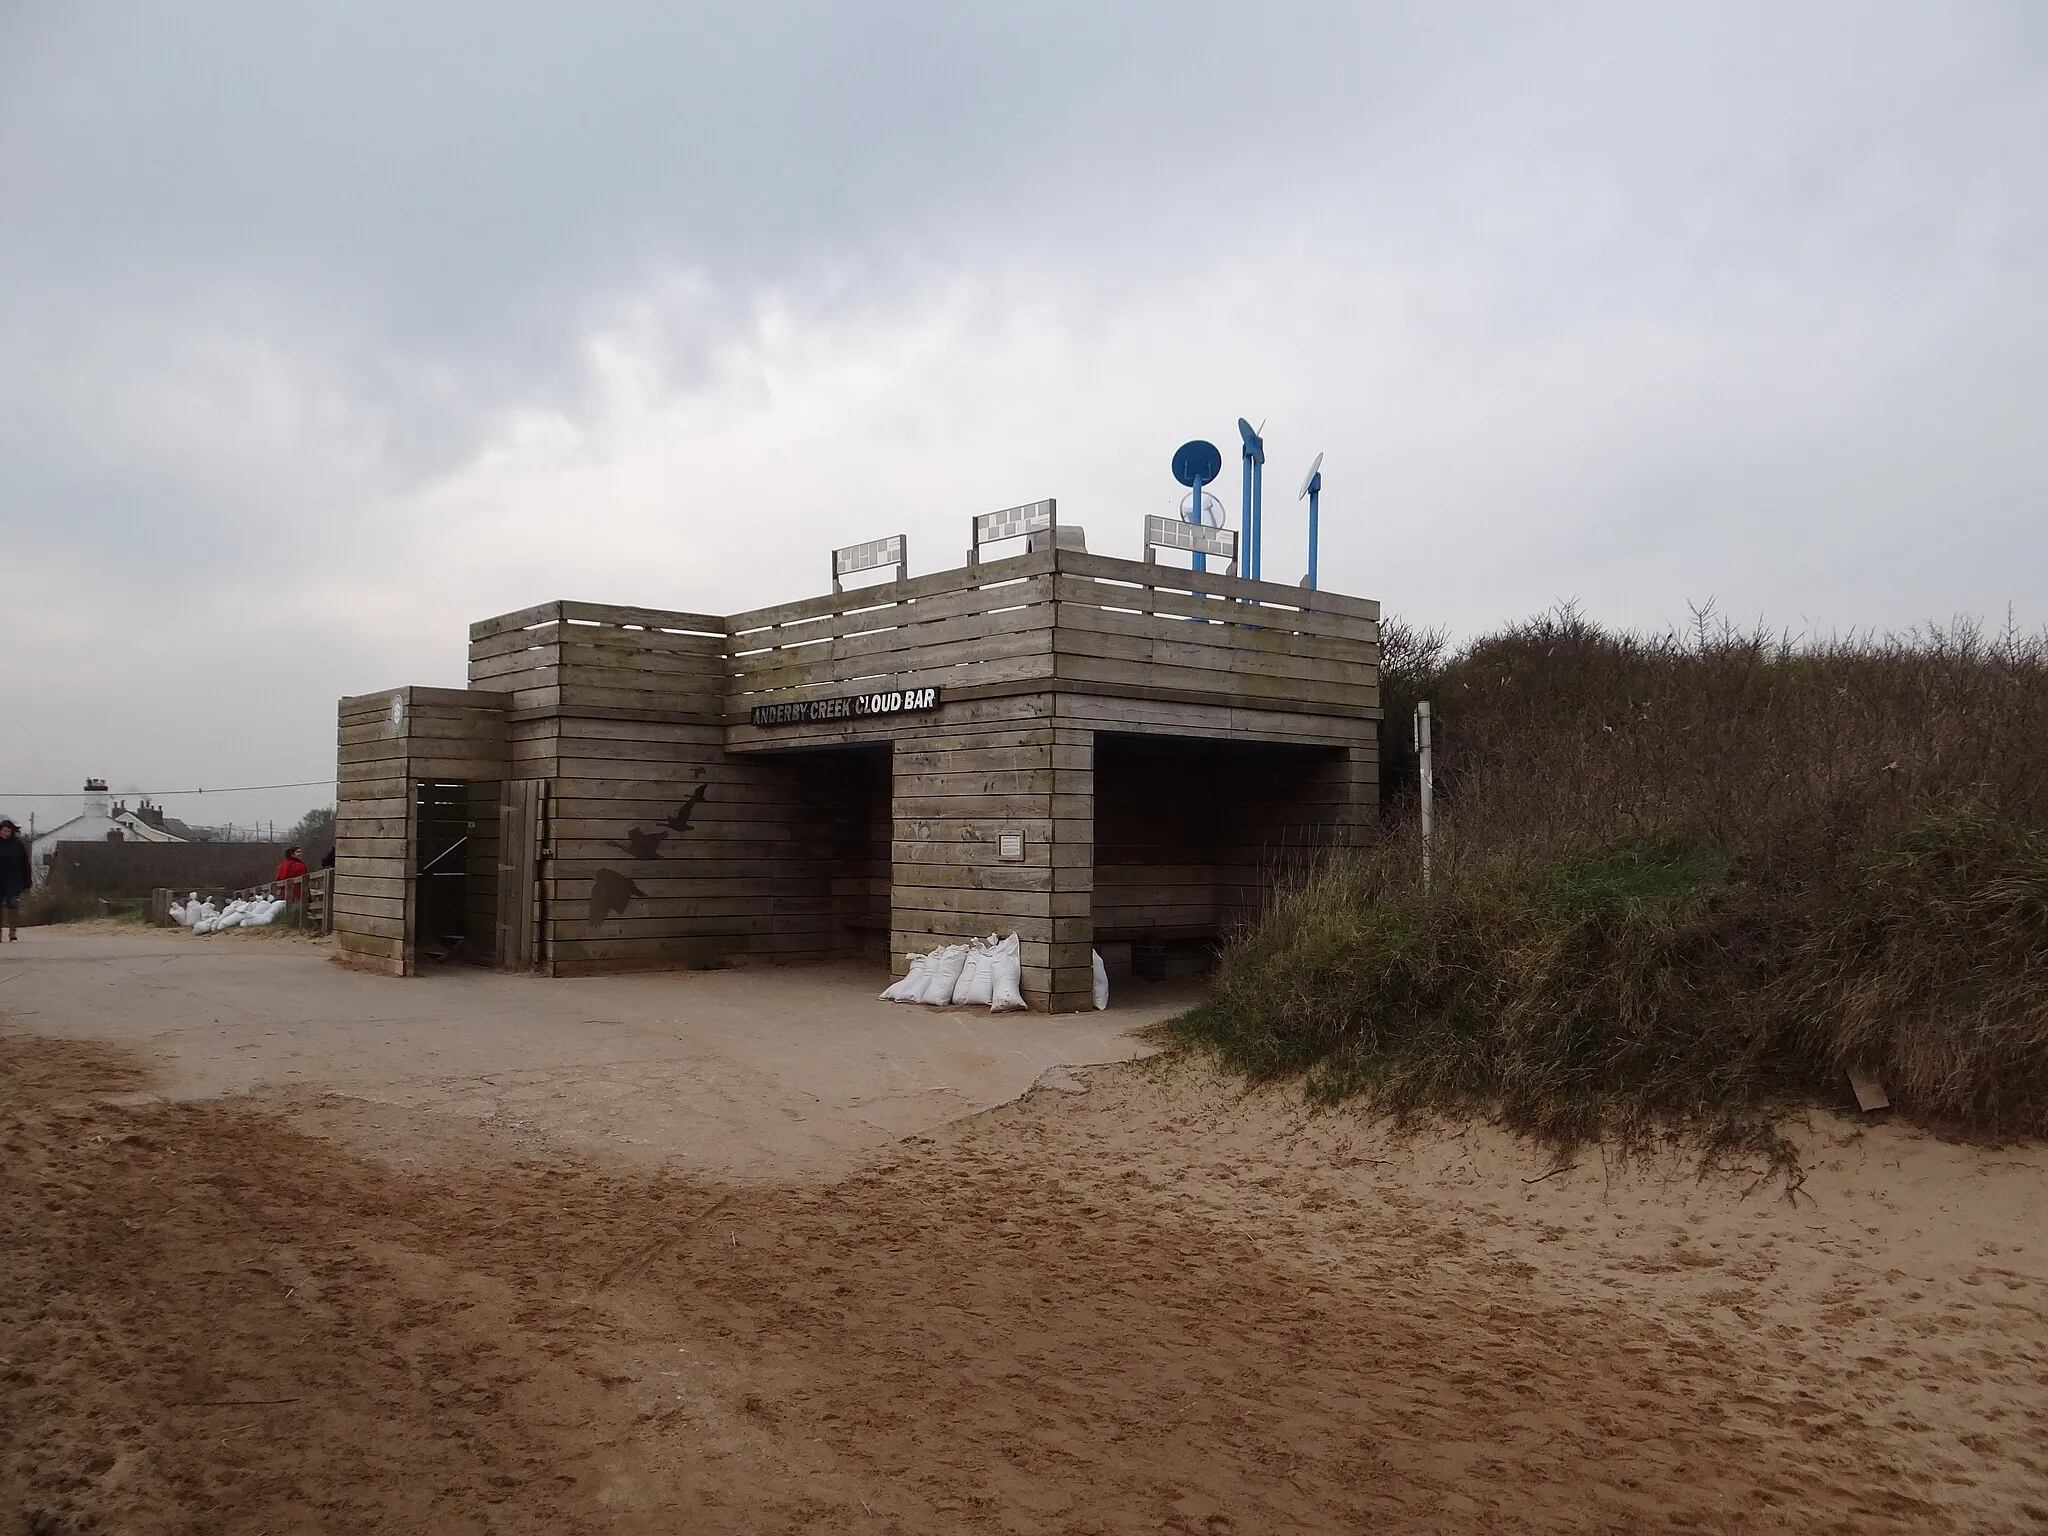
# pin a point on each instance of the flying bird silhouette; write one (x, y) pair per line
(610, 894)
(641, 844)
(680, 821)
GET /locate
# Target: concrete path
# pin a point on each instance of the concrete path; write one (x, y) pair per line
(747, 1074)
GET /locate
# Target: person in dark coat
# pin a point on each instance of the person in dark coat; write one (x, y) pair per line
(15, 875)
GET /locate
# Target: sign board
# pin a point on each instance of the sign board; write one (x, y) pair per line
(894, 550)
(1172, 533)
(1015, 522)
(865, 557)
(853, 706)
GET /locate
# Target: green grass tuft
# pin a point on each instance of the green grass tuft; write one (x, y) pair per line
(1682, 885)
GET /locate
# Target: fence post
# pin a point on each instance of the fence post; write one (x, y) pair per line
(1425, 758)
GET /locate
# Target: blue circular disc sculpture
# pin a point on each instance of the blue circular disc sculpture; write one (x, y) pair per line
(1197, 463)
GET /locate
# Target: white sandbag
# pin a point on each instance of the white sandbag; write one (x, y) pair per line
(975, 984)
(909, 987)
(944, 974)
(1101, 982)
(204, 925)
(177, 915)
(1005, 973)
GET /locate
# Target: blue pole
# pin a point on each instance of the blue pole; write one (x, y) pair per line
(1195, 507)
(1246, 519)
(1315, 496)
(1258, 518)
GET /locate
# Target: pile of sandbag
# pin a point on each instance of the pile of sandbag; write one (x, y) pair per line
(981, 973)
(205, 917)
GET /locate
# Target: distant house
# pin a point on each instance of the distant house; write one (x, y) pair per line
(101, 820)
(148, 824)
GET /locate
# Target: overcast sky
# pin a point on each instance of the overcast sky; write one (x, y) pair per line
(325, 330)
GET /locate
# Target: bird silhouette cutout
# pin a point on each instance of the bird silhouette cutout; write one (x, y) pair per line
(610, 894)
(679, 822)
(641, 843)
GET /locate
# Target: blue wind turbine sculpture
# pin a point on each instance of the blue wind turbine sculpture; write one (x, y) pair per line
(1312, 491)
(1253, 517)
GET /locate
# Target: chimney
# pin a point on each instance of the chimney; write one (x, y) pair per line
(97, 801)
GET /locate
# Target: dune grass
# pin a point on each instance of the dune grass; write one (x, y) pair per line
(1682, 884)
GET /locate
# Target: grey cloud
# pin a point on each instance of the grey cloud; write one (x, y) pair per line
(1616, 302)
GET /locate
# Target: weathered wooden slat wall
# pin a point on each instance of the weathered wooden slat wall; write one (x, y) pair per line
(678, 832)
(1077, 622)
(388, 742)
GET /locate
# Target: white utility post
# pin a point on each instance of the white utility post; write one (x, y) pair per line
(1428, 766)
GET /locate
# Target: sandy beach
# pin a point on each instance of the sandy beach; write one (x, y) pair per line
(1137, 1299)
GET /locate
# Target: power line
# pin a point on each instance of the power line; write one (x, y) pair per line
(232, 789)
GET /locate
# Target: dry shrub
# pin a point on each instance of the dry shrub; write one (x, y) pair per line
(48, 904)
(1682, 881)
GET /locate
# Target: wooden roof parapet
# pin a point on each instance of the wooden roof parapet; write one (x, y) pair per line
(1060, 620)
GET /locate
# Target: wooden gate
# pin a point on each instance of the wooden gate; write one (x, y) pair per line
(520, 815)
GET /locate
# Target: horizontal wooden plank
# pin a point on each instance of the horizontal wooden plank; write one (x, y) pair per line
(1009, 810)
(534, 668)
(1092, 673)
(541, 641)
(457, 765)
(371, 753)
(363, 941)
(918, 615)
(523, 618)
(369, 906)
(1252, 645)
(743, 626)
(997, 639)
(1190, 656)
(576, 614)
(1134, 712)
(984, 876)
(1215, 609)
(467, 727)
(574, 730)
(370, 786)
(882, 650)
(420, 698)
(913, 759)
(1270, 593)
(368, 924)
(1039, 852)
(1017, 659)
(988, 903)
(591, 703)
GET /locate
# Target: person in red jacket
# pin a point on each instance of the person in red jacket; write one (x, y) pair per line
(292, 870)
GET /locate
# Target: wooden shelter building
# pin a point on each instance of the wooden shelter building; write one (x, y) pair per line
(1089, 752)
